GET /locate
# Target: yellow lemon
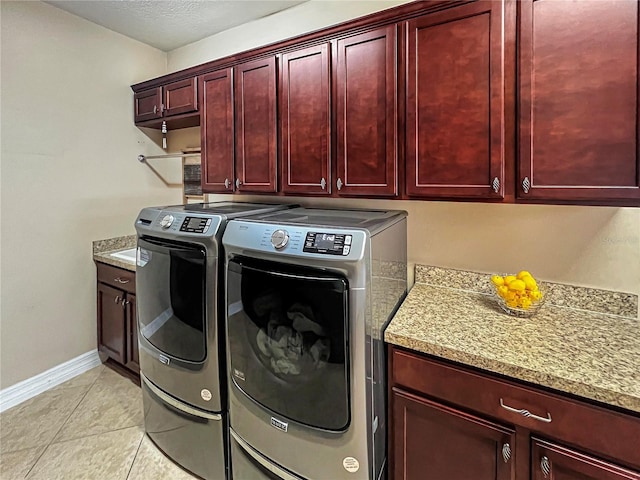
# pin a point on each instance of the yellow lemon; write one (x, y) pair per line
(512, 303)
(530, 283)
(503, 290)
(535, 295)
(524, 303)
(523, 273)
(497, 280)
(517, 285)
(508, 279)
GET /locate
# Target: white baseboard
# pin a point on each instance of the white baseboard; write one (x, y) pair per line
(29, 388)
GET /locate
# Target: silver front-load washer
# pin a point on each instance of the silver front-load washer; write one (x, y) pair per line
(180, 313)
(309, 293)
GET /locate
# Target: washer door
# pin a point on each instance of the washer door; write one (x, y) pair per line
(287, 337)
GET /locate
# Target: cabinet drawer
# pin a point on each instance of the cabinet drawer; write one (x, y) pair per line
(117, 277)
(594, 428)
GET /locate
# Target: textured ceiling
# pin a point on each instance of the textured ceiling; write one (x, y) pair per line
(170, 24)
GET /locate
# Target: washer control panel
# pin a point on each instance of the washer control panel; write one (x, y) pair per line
(327, 243)
(195, 224)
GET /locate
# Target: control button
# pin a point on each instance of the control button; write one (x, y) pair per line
(279, 239)
(347, 240)
(166, 221)
(346, 249)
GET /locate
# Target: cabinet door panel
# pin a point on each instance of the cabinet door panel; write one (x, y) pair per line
(579, 100)
(133, 361)
(146, 105)
(435, 442)
(551, 461)
(111, 322)
(216, 91)
(255, 109)
(181, 97)
(305, 120)
(366, 114)
(455, 102)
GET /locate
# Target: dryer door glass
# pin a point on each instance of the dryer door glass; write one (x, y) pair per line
(287, 334)
(170, 285)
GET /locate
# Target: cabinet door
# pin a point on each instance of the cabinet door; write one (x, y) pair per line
(255, 116)
(146, 105)
(366, 114)
(456, 102)
(579, 100)
(216, 127)
(133, 361)
(435, 442)
(111, 322)
(551, 461)
(305, 121)
(180, 97)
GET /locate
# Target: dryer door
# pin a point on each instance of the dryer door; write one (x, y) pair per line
(287, 330)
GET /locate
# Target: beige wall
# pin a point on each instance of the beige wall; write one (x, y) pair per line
(69, 176)
(303, 18)
(590, 246)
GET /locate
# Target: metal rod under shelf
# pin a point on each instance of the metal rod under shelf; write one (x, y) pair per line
(143, 158)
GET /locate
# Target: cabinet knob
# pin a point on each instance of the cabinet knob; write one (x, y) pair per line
(496, 185)
(323, 183)
(117, 299)
(545, 466)
(238, 183)
(526, 185)
(226, 183)
(339, 184)
(506, 452)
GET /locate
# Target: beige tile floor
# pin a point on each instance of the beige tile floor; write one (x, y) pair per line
(87, 428)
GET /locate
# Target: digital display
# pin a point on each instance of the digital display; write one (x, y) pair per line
(193, 222)
(324, 241)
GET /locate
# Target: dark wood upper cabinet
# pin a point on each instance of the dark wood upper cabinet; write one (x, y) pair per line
(435, 442)
(455, 128)
(552, 461)
(217, 132)
(578, 92)
(146, 105)
(366, 114)
(305, 120)
(255, 125)
(176, 99)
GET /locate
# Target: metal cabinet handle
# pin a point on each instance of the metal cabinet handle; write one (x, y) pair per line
(238, 183)
(323, 183)
(117, 299)
(120, 280)
(526, 185)
(155, 109)
(545, 466)
(162, 108)
(526, 413)
(339, 184)
(226, 183)
(506, 452)
(496, 184)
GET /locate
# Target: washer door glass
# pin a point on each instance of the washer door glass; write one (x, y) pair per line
(170, 286)
(287, 336)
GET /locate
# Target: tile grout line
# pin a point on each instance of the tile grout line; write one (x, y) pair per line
(135, 456)
(63, 424)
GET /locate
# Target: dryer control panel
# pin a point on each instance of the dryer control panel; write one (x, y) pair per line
(327, 243)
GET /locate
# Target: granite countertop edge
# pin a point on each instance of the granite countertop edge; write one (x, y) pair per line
(102, 250)
(467, 328)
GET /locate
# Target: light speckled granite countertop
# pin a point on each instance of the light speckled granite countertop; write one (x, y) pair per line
(590, 352)
(103, 248)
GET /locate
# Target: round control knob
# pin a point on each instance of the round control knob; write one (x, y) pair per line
(279, 239)
(166, 221)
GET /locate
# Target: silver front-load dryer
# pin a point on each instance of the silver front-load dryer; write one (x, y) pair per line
(309, 293)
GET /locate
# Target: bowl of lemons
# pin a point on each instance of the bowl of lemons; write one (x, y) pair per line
(519, 295)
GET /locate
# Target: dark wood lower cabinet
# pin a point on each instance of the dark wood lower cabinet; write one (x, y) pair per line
(117, 321)
(448, 422)
(435, 442)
